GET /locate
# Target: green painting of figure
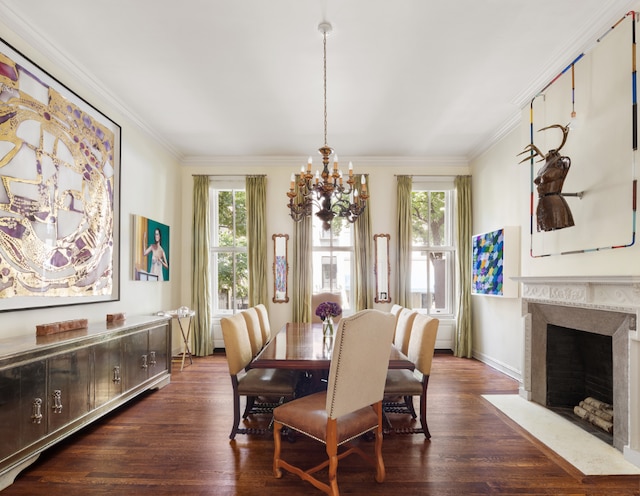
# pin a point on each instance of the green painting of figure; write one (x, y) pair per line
(151, 250)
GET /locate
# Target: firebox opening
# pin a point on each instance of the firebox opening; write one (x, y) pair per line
(579, 366)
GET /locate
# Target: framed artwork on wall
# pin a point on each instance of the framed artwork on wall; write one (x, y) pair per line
(59, 192)
(280, 268)
(150, 250)
(495, 260)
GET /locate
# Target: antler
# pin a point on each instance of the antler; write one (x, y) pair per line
(565, 133)
(533, 151)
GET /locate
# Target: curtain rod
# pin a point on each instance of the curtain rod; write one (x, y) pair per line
(428, 175)
(228, 175)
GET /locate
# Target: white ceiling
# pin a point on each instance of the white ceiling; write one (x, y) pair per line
(428, 79)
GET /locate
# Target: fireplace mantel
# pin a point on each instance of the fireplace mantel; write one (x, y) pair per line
(615, 293)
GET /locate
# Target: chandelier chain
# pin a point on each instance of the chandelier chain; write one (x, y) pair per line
(325, 86)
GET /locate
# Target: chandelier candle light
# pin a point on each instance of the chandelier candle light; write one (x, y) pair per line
(327, 189)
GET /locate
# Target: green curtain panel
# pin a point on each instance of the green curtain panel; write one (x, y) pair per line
(463, 341)
(200, 285)
(404, 235)
(301, 268)
(256, 187)
(363, 259)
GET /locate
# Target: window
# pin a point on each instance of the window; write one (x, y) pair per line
(432, 263)
(229, 266)
(332, 259)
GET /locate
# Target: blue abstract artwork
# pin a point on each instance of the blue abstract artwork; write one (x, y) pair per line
(488, 263)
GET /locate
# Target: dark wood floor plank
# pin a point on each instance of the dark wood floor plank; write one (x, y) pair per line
(175, 441)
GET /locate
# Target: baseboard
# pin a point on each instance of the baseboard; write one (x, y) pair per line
(495, 364)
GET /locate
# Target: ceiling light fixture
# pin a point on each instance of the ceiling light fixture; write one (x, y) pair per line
(326, 190)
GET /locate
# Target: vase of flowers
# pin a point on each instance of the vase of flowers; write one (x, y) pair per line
(327, 311)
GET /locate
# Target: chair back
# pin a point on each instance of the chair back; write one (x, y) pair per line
(236, 343)
(265, 326)
(403, 329)
(422, 342)
(253, 326)
(316, 299)
(395, 310)
(359, 362)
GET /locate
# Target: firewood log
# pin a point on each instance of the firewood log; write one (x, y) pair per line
(593, 419)
(601, 405)
(603, 414)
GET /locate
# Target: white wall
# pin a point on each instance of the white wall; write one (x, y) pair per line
(603, 164)
(496, 183)
(149, 175)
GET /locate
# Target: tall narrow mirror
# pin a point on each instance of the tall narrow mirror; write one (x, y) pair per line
(280, 268)
(382, 268)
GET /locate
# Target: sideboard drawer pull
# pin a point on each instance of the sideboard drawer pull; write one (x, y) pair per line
(36, 411)
(116, 374)
(57, 401)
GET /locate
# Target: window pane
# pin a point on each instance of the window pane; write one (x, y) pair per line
(437, 217)
(332, 274)
(338, 235)
(225, 218)
(429, 218)
(240, 208)
(431, 281)
(232, 281)
(441, 277)
(231, 218)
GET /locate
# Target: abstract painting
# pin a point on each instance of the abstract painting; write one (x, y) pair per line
(59, 192)
(488, 263)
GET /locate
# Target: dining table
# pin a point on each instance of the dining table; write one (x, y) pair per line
(303, 346)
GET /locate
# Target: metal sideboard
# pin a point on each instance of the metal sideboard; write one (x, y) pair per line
(52, 386)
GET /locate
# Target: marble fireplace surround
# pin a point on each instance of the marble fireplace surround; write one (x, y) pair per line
(608, 305)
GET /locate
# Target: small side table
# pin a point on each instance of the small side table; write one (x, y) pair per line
(181, 315)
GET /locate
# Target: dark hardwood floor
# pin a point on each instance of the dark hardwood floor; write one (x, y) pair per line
(174, 441)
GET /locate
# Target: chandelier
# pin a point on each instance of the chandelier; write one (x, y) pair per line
(333, 195)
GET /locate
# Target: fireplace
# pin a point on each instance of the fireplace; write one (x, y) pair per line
(579, 366)
(563, 315)
(579, 370)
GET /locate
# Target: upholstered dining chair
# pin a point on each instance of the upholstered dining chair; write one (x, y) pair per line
(407, 384)
(403, 329)
(265, 326)
(350, 407)
(253, 326)
(250, 383)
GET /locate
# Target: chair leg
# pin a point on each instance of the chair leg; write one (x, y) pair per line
(250, 402)
(277, 440)
(380, 470)
(423, 407)
(332, 453)
(408, 402)
(236, 409)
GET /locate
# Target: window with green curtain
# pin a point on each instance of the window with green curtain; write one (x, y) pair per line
(433, 250)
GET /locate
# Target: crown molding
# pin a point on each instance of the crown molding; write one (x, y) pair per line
(294, 161)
